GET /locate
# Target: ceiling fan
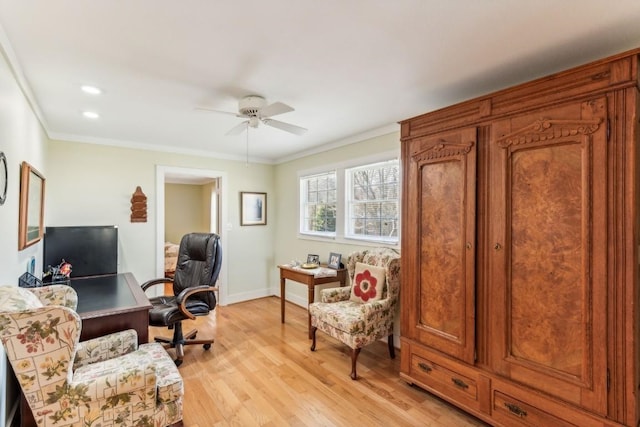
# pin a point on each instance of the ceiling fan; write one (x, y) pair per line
(254, 108)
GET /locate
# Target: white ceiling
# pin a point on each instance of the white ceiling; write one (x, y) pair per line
(348, 67)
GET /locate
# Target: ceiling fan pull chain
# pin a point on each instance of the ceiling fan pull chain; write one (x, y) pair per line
(246, 165)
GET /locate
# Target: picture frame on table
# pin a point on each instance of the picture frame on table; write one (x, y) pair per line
(313, 259)
(334, 260)
(253, 208)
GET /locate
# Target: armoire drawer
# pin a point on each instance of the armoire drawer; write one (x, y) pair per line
(511, 411)
(445, 380)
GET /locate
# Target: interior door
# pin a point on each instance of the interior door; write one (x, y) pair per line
(441, 210)
(548, 204)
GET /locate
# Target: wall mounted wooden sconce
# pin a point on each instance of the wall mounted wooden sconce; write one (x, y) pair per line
(138, 206)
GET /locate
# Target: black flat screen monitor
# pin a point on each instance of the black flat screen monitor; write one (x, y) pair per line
(91, 250)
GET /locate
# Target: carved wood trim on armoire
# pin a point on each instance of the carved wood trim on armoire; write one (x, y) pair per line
(520, 299)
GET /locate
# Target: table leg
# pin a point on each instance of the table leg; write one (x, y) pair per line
(282, 280)
(311, 296)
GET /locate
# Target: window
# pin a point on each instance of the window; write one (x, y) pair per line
(354, 201)
(318, 198)
(372, 201)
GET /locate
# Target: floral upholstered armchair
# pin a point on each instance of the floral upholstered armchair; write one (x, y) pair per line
(363, 313)
(106, 381)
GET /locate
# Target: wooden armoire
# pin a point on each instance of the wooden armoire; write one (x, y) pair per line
(520, 234)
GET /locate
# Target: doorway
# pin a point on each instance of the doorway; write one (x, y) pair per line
(216, 183)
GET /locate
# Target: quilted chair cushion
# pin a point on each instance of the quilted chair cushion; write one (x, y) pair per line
(14, 299)
(346, 316)
(151, 361)
(368, 283)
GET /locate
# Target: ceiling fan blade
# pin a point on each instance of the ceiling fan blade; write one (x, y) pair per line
(285, 126)
(239, 128)
(211, 110)
(275, 109)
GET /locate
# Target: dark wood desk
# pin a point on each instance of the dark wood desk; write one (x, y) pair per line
(112, 303)
(310, 280)
(106, 304)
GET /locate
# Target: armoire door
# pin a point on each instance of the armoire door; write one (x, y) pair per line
(548, 244)
(439, 221)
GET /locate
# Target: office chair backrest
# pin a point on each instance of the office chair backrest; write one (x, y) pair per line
(199, 262)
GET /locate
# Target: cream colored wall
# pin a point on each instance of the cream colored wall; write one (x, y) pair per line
(92, 184)
(186, 210)
(21, 139)
(289, 246)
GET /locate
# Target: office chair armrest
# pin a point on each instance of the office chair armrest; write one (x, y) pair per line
(335, 294)
(62, 295)
(149, 283)
(183, 296)
(105, 347)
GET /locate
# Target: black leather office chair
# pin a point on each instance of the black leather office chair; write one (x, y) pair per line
(197, 269)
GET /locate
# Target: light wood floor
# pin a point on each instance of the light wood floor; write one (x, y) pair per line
(262, 372)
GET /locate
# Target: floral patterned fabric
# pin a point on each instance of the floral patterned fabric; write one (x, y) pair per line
(105, 347)
(359, 324)
(57, 295)
(113, 382)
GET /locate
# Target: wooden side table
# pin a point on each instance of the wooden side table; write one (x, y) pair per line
(309, 279)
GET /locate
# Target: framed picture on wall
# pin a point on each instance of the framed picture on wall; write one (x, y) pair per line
(253, 208)
(31, 215)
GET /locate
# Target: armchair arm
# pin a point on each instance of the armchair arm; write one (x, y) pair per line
(183, 296)
(149, 283)
(336, 294)
(105, 347)
(57, 295)
(378, 311)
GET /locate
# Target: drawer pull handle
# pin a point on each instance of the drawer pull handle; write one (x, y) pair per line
(460, 383)
(516, 410)
(425, 367)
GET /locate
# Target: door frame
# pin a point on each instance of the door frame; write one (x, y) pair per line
(161, 174)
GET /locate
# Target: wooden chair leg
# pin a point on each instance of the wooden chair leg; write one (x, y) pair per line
(354, 357)
(392, 349)
(313, 337)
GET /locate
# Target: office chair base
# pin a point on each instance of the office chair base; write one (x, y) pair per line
(179, 340)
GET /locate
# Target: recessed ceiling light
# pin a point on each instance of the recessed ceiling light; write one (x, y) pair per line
(90, 114)
(92, 90)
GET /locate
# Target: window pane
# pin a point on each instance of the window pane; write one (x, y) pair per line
(318, 204)
(373, 201)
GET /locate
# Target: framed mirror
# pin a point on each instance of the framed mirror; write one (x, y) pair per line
(31, 220)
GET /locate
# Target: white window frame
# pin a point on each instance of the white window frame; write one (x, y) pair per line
(302, 205)
(349, 204)
(341, 201)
